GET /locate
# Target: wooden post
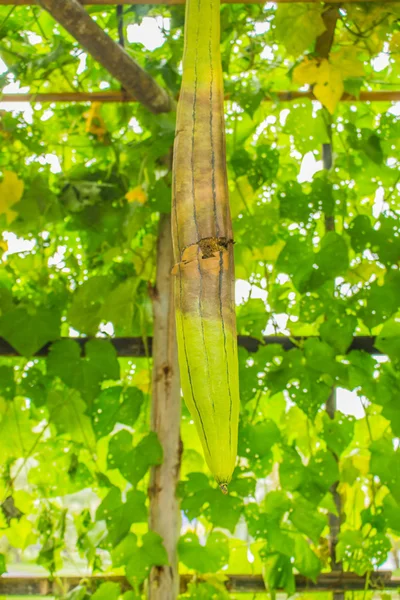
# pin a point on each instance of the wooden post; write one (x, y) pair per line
(323, 47)
(164, 516)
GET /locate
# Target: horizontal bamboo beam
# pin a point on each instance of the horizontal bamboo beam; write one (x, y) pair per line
(327, 582)
(115, 96)
(134, 347)
(172, 2)
(72, 16)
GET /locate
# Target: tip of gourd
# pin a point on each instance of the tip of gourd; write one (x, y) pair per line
(224, 488)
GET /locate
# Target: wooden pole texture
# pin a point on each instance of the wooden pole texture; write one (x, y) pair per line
(73, 17)
(323, 48)
(164, 514)
(172, 2)
(327, 582)
(117, 96)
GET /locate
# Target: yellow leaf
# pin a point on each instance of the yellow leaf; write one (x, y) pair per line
(217, 581)
(94, 121)
(142, 380)
(347, 61)
(395, 42)
(11, 189)
(3, 246)
(361, 462)
(242, 197)
(364, 271)
(329, 88)
(307, 71)
(326, 78)
(270, 253)
(137, 195)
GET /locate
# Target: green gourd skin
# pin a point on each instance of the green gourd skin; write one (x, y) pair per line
(203, 246)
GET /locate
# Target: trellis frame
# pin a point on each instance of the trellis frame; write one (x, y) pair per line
(327, 582)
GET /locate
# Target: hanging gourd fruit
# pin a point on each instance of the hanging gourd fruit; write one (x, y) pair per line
(203, 245)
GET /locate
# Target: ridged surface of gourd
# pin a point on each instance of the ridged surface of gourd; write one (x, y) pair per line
(203, 245)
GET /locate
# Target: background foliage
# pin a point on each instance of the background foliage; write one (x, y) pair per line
(81, 190)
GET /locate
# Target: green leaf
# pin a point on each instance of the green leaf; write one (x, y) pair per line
(385, 464)
(151, 552)
(108, 409)
(388, 341)
(83, 374)
(85, 311)
(252, 318)
(321, 472)
(361, 233)
(42, 324)
(132, 402)
(320, 356)
(198, 497)
(7, 383)
(224, 511)
(77, 593)
(67, 412)
(38, 201)
(107, 591)
(310, 270)
(17, 437)
(298, 26)
(338, 432)
(291, 470)
(391, 513)
(204, 559)
(277, 503)
(297, 259)
(3, 568)
(375, 550)
(373, 149)
(278, 541)
(130, 595)
(305, 560)
(122, 552)
(386, 394)
(257, 440)
(308, 390)
(338, 330)
(278, 573)
(305, 518)
(105, 410)
(102, 357)
(119, 306)
(64, 360)
(34, 385)
(332, 259)
(381, 300)
(133, 463)
(119, 515)
(294, 204)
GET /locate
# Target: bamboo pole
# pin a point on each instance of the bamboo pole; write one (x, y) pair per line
(118, 96)
(72, 16)
(164, 515)
(135, 347)
(327, 582)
